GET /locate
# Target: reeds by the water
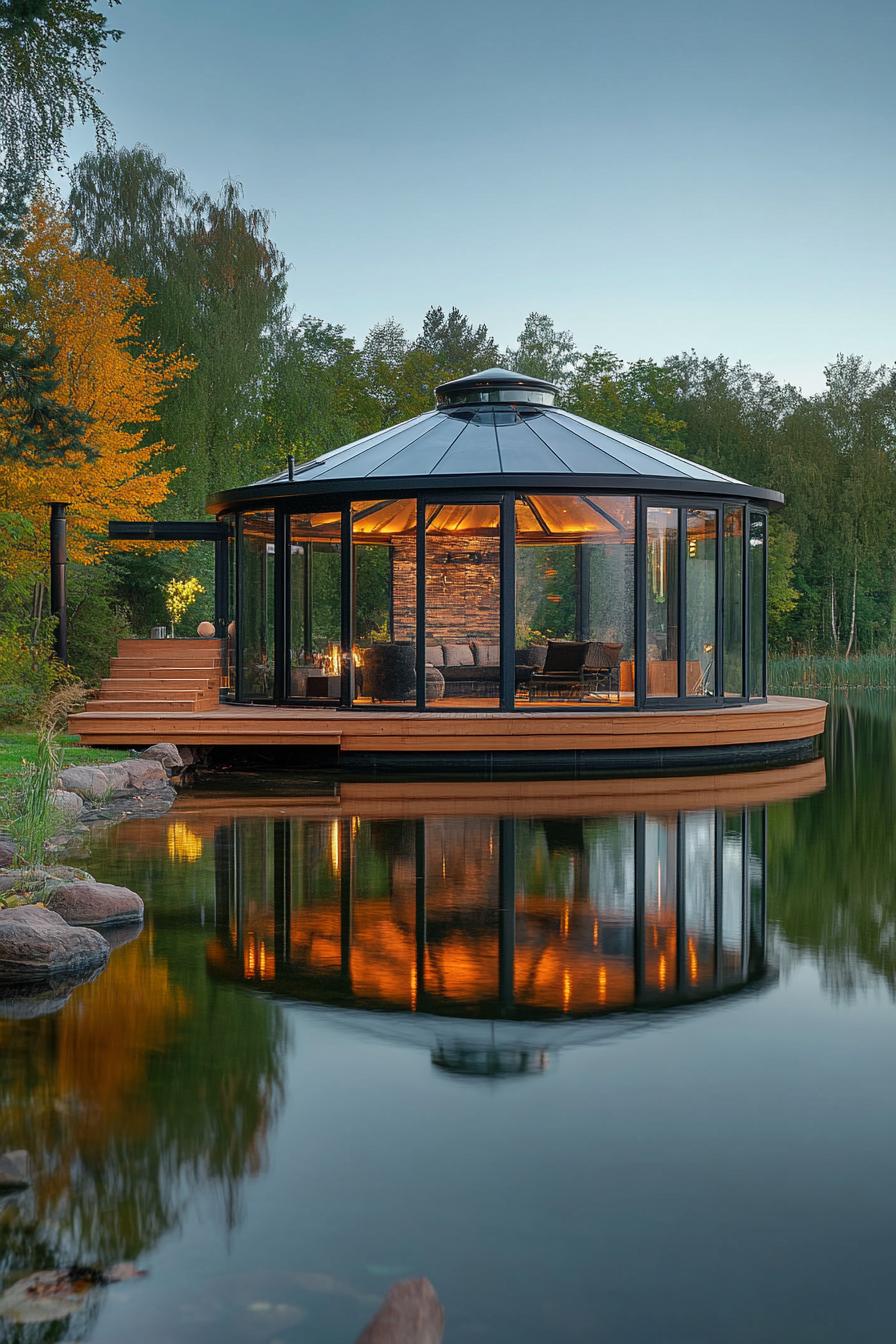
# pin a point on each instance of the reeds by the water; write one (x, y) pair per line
(28, 810)
(810, 672)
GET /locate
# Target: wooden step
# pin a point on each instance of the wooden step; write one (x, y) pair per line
(141, 668)
(171, 652)
(199, 695)
(174, 648)
(180, 706)
(152, 645)
(182, 683)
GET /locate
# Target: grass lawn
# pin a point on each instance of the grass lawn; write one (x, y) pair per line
(17, 745)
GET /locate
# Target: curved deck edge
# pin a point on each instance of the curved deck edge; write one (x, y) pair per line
(782, 728)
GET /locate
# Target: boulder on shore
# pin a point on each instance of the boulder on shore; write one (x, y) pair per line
(36, 943)
(95, 903)
(146, 774)
(411, 1314)
(87, 781)
(164, 752)
(7, 853)
(71, 805)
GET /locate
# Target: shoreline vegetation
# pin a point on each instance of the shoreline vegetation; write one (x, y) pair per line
(827, 672)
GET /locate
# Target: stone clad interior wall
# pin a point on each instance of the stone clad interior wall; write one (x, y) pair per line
(462, 595)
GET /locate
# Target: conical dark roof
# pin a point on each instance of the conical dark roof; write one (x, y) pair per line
(488, 433)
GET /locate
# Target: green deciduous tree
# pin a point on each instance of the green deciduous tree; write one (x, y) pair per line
(219, 287)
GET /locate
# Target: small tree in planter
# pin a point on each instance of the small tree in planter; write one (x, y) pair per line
(180, 594)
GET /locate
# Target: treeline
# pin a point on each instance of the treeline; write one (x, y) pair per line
(238, 381)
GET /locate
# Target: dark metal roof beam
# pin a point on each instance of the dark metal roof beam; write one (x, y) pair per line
(166, 531)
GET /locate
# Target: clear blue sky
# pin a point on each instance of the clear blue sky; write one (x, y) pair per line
(655, 174)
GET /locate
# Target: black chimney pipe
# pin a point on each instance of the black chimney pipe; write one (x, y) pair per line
(57, 577)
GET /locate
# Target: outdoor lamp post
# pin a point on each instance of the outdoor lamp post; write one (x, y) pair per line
(57, 576)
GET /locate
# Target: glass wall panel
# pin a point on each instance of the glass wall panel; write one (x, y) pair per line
(463, 604)
(757, 603)
(255, 617)
(314, 624)
(384, 648)
(228, 680)
(700, 581)
(575, 599)
(733, 601)
(662, 602)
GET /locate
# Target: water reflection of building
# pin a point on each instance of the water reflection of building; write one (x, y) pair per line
(494, 916)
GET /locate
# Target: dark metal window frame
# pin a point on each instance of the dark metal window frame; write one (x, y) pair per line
(341, 502)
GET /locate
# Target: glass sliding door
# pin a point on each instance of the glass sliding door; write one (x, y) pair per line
(384, 620)
(700, 597)
(462, 578)
(314, 609)
(575, 599)
(733, 602)
(255, 611)
(662, 602)
(758, 525)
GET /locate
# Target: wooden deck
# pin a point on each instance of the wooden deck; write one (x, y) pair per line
(167, 691)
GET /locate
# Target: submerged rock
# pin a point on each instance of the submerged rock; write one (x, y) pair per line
(95, 903)
(36, 944)
(166, 753)
(53, 1294)
(411, 1314)
(15, 1170)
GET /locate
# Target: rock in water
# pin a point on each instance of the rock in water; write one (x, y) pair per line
(146, 774)
(95, 904)
(15, 1170)
(36, 943)
(165, 752)
(411, 1314)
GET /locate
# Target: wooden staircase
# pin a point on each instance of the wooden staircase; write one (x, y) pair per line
(161, 675)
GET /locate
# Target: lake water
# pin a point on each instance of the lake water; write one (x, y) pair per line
(606, 1060)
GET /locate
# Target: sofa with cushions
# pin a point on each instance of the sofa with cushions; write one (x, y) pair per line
(470, 664)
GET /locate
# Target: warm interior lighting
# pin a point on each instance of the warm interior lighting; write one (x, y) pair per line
(567, 989)
(602, 984)
(692, 961)
(413, 989)
(662, 971)
(331, 661)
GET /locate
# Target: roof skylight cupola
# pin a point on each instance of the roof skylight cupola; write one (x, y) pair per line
(493, 386)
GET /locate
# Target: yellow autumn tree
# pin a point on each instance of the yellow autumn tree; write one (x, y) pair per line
(92, 317)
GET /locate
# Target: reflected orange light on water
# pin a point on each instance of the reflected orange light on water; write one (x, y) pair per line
(184, 845)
